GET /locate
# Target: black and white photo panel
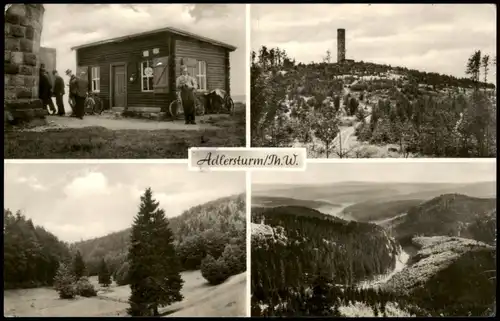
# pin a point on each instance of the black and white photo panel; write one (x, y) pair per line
(375, 239)
(123, 81)
(375, 80)
(108, 240)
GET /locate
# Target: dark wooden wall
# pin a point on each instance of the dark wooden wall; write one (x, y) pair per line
(214, 56)
(129, 52)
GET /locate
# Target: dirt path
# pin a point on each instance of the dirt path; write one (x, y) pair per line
(126, 123)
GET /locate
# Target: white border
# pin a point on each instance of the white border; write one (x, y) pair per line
(398, 160)
(249, 240)
(248, 26)
(96, 161)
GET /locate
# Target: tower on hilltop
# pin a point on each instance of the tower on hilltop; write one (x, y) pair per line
(340, 45)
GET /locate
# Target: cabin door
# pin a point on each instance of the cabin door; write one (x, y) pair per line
(119, 85)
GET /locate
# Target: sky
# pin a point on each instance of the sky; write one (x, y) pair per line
(68, 25)
(407, 172)
(427, 37)
(81, 201)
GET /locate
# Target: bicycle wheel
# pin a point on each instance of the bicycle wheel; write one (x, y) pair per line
(229, 105)
(98, 107)
(89, 105)
(173, 109)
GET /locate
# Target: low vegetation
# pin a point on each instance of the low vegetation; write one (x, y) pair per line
(413, 113)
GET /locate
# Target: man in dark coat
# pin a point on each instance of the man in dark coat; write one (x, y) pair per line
(59, 92)
(72, 91)
(79, 88)
(45, 90)
(187, 86)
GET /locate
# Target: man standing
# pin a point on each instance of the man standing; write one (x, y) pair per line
(59, 92)
(45, 90)
(79, 88)
(72, 91)
(187, 86)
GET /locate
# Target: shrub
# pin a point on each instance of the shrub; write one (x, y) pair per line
(85, 288)
(214, 271)
(122, 275)
(234, 257)
(64, 282)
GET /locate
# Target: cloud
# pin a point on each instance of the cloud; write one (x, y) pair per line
(32, 182)
(68, 25)
(93, 183)
(82, 201)
(433, 38)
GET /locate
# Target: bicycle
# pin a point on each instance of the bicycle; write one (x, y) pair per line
(93, 104)
(176, 111)
(226, 102)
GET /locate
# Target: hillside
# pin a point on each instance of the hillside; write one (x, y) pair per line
(292, 245)
(31, 253)
(202, 229)
(455, 272)
(363, 110)
(446, 215)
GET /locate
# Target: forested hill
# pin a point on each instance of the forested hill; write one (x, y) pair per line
(291, 245)
(425, 113)
(450, 215)
(31, 253)
(201, 230)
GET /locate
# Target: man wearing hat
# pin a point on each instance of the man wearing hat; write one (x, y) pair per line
(45, 90)
(79, 87)
(72, 91)
(187, 86)
(59, 92)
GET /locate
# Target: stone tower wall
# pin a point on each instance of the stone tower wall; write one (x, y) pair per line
(23, 29)
(340, 45)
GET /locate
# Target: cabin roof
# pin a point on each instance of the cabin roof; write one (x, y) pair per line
(166, 29)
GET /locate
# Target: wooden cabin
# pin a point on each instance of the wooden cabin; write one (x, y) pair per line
(138, 72)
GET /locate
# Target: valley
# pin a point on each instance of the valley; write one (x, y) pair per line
(423, 234)
(209, 241)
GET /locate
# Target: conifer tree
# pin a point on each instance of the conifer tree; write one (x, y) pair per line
(154, 272)
(104, 275)
(64, 282)
(79, 268)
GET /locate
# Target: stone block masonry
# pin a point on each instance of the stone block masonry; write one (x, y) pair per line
(23, 29)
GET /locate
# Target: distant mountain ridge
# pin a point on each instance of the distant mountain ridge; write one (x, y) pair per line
(356, 192)
(445, 215)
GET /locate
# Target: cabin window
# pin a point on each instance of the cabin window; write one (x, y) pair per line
(201, 75)
(147, 71)
(95, 76)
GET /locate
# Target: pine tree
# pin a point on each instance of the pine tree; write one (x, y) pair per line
(64, 282)
(104, 275)
(79, 268)
(154, 273)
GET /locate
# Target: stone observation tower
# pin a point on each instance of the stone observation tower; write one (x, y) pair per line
(340, 45)
(23, 29)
